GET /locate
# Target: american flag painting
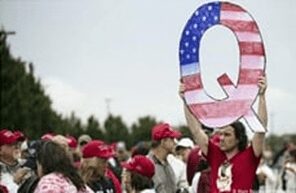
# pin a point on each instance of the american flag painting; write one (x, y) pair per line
(218, 113)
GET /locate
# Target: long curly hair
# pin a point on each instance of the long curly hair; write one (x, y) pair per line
(240, 134)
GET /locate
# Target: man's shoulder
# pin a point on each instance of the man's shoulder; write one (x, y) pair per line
(174, 161)
(248, 154)
(213, 149)
(154, 159)
(248, 150)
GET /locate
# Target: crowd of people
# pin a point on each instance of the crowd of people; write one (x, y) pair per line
(216, 160)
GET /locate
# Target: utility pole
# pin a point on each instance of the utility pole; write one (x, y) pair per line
(108, 105)
(3, 36)
(6, 33)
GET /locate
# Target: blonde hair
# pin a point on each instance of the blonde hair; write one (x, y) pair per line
(90, 169)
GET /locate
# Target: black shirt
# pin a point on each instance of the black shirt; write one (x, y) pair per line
(102, 185)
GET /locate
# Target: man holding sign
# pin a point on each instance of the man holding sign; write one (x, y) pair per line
(234, 162)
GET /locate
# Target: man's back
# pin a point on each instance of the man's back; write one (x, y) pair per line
(164, 178)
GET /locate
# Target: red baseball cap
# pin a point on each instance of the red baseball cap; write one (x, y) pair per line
(97, 148)
(19, 135)
(8, 137)
(164, 130)
(72, 142)
(141, 165)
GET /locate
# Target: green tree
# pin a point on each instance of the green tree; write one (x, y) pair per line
(141, 130)
(93, 128)
(71, 126)
(115, 129)
(24, 104)
(184, 130)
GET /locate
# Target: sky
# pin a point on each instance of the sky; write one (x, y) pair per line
(121, 56)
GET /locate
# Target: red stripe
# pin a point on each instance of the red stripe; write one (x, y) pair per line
(230, 7)
(225, 80)
(230, 108)
(251, 48)
(246, 76)
(242, 26)
(192, 82)
(249, 76)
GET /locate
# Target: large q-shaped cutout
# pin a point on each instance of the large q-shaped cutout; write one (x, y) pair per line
(219, 113)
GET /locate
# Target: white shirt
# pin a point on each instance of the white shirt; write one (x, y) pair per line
(148, 191)
(7, 180)
(291, 178)
(271, 178)
(179, 168)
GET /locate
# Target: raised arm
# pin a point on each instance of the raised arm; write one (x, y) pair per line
(194, 125)
(258, 138)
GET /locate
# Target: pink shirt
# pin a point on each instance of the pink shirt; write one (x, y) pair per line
(56, 183)
(236, 175)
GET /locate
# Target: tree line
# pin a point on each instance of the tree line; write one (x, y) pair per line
(26, 107)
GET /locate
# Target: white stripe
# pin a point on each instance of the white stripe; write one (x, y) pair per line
(223, 121)
(189, 69)
(242, 92)
(252, 120)
(248, 37)
(219, 122)
(197, 96)
(252, 62)
(235, 15)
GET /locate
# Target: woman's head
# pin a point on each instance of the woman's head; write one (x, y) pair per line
(51, 157)
(95, 156)
(93, 168)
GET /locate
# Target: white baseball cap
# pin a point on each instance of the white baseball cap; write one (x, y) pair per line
(185, 142)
